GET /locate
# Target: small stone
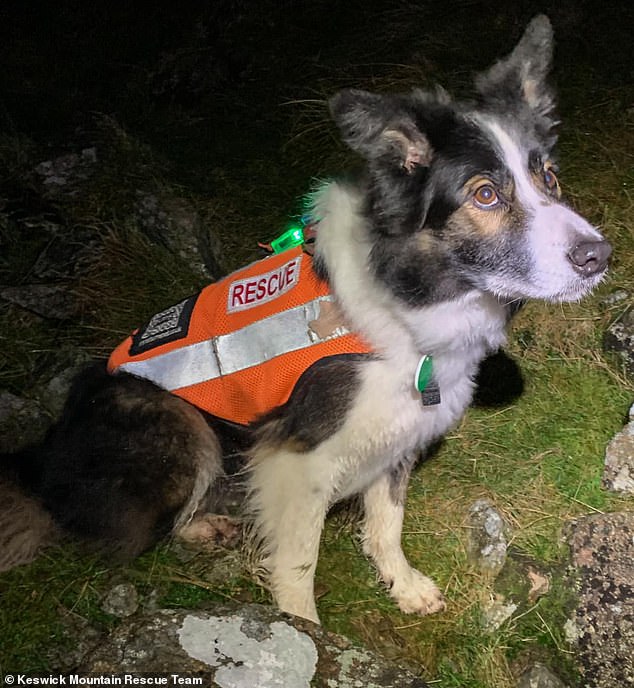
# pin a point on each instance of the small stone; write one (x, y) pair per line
(571, 632)
(540, 584)
(615, 297)
(538, 676)
(618, 474)
(122, 600)
(486, 541)
(53, 395)
(619, 339)
(496, 612)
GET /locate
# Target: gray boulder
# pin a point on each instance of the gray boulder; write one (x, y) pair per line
(22, 422)
(243, 647)
(602, 626)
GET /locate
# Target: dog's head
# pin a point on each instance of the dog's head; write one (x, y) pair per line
(466, 195)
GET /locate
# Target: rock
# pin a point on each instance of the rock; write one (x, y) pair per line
(486, 540)
(602, 548)
(496, 612)
(614, 298)
(22, 422)
(53, 395)
(69, 253)
(54, 301)
(618, 474)
(172, 222)
(619, 339)
(162, 216)
(80, 638)
(243, 647)
(538, 676)
(61, 175)
(122, 600)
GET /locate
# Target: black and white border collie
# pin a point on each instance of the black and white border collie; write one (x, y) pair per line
(457, 219)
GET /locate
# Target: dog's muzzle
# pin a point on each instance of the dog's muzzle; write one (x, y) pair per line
(590, 257)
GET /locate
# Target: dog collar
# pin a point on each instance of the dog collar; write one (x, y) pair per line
(425, 383)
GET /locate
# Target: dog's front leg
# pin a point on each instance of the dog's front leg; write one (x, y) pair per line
(288, 513)
(382, 526)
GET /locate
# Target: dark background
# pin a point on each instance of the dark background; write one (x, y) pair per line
(178, 73)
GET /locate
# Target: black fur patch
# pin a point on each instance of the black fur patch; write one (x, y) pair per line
(318, 405)
(121, 462)
(399, 478)
(320, 268)
(499, 381)
(417, 277)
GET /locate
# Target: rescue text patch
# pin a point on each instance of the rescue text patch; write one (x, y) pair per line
(258, 289)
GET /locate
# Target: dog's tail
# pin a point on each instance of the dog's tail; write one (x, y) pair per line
(26, 527)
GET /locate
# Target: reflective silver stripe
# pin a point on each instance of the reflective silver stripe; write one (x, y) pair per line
(228, 353)
(178, 368)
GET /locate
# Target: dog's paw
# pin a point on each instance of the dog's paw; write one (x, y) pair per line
(212, 530)
(417, 595)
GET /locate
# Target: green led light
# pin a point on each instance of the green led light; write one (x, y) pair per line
(292, 237)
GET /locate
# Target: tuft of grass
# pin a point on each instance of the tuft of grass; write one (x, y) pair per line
(540, 461)
(119, 292)
(39, 604)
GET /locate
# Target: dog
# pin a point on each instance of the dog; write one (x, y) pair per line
(419, 266)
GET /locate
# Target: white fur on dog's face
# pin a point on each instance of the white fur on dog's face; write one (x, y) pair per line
(552, 231)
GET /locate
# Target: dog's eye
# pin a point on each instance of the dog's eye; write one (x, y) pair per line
(486, 197)
(550, 180)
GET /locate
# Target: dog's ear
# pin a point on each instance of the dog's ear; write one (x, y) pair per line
(520, 80)
(380, 128)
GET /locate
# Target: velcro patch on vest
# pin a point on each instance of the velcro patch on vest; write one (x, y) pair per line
(253, 291)
(329, 324)
(164, 327)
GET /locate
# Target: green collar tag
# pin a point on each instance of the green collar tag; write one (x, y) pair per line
(423, 373)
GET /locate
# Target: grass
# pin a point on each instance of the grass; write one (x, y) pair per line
(539, 460)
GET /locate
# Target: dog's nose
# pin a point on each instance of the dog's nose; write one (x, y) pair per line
(590, 257)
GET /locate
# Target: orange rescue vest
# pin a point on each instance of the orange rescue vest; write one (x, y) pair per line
(237, 348)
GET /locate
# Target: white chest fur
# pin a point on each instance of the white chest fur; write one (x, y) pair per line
(387, 420)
